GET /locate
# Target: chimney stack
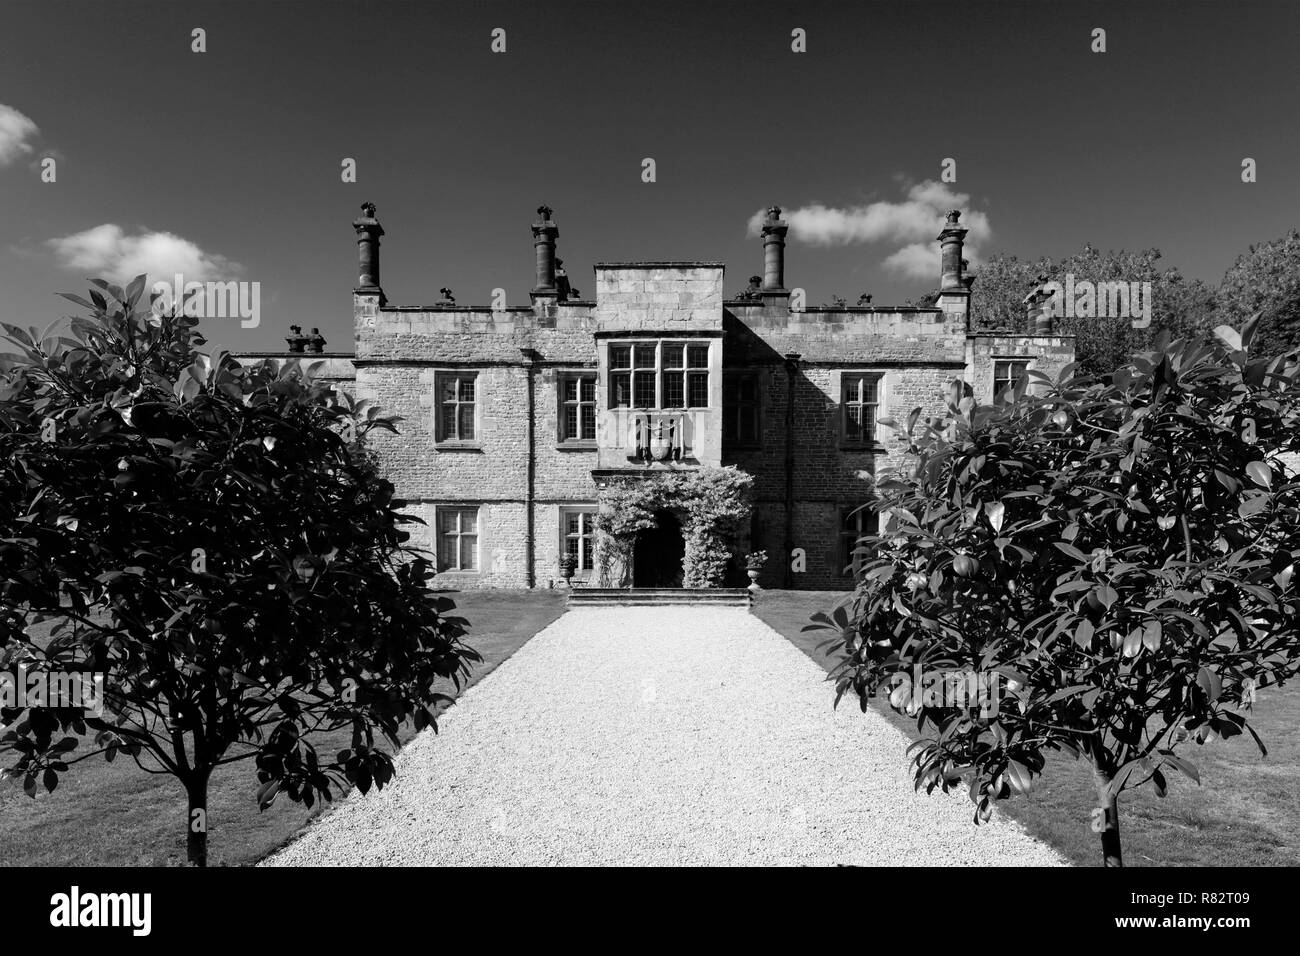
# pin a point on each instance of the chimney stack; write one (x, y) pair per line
(544, 235)
(774, 230)
(952, 271)
(1038, 310)
(368, 232)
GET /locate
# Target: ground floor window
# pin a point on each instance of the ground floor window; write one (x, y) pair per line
(1008, 373)
(854, 523)
(577, 530)
(457, 539)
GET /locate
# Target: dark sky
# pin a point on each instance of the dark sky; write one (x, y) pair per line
(232, 157)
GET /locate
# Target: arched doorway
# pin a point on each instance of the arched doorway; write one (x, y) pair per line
(658, 552)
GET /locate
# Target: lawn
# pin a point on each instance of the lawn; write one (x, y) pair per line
(1246, 812)
(114, 814)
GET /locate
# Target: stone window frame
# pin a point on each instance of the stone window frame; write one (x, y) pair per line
(880, 380)
(1022, 360)
(563, 440)
(855, 521)
(587, 551)
(728, 410)
(439, 511)
(439, 438)
(659, 372)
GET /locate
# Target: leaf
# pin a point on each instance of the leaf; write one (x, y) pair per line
(1260, 474)
(995, 512)
(1072, 551)
(1083, 634)
(1229, 336)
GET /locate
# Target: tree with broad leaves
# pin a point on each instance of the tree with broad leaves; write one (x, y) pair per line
(207, 537)
(1179, 305)
(1266, 279)
(1115, 556)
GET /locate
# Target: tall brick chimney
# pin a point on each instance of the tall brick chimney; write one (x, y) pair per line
(952, 265)
(774, 230)
(368, 232)
(544, 235)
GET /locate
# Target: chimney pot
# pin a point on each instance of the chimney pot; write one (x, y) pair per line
(544, 235)
(774, 230)
(368, 232)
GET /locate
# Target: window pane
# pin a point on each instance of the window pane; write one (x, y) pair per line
(570, 389)
(620, 356)
(571, 546)
(673, 355)
(853, 421)
(673, 390)
(620, 390)
(588, 389)
(699, 395)
(571, 523)
(851, 390)
(448, 389)
(869, 389)
(589, 421)
(468, 547)
(466, 422)
(699, 355)
(447, 426)
(446, 552)
(469, 520)
(446, 521)
(645, 356)
(869, 422)
(645, 389)
(587, 557)
(467, 389)
(571, 421)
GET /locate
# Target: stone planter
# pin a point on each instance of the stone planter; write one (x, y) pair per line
(753, 579)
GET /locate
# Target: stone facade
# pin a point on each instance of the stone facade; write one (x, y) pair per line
(660, 371)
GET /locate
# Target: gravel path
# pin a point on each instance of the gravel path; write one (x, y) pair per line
(657, 735)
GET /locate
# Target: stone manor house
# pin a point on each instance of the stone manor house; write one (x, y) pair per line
(514, 420)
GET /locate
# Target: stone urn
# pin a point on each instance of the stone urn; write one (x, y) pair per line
(568, 565)
(753, 579)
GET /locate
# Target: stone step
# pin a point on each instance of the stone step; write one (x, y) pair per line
(622, 597)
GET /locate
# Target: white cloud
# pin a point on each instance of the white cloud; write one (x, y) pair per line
(15, 131)
(913, 223)
(108, 252)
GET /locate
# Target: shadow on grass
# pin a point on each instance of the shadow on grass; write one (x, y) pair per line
(115, 814)
(1245, 812)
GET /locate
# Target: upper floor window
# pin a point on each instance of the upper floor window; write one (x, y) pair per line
(740, 406)
(860, 397)
(658, 375)
(578, 407)
(457, 406)
(1008, 373)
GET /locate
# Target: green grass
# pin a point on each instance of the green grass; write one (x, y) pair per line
(114, 814)
(1245, 812)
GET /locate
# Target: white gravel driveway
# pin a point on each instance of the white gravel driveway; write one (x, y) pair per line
(657, 735)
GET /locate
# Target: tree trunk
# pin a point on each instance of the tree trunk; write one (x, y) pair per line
(196, 821)
(1110, 847)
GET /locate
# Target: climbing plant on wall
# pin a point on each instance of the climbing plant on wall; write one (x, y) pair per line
(712, 503)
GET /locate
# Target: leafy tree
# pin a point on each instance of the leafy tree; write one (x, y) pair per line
(1115, 556)
(1266, 280)
(1180, 305)
(206, 536)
